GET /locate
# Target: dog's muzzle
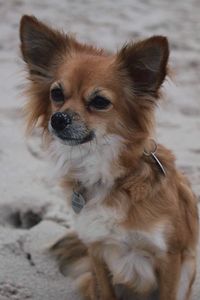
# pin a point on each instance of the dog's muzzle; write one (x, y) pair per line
(69, 128)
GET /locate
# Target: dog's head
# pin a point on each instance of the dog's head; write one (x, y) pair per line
(82, 93)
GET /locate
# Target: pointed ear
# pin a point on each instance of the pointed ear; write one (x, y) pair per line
(40, 45)
(146, 63)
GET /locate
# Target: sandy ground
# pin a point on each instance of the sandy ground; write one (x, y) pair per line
(32, 212)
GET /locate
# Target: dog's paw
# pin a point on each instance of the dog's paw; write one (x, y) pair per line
(72, 255)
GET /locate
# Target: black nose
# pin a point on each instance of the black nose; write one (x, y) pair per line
(60, 120)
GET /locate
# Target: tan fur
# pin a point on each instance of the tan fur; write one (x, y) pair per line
(131, 79)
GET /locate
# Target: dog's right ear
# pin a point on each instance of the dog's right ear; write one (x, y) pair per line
(40, 46)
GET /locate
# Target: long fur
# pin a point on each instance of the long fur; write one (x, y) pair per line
(137, 233)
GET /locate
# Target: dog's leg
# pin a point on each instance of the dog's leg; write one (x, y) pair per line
(102, 285)
(169, 276)
(96, 285)
(187, 276)
(90, 274)
(74, 261)
(176, 277)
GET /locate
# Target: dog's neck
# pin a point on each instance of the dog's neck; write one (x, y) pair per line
(90, 164)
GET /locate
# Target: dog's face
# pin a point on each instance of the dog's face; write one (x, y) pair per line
(84, 99)
(83, 93)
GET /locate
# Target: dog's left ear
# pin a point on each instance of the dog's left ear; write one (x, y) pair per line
(145, 63)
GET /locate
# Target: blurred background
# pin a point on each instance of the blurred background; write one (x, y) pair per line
(32, 211)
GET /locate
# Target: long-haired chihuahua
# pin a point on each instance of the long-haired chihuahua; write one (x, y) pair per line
(135, 216)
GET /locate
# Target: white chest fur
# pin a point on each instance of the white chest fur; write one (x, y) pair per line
(129, 254)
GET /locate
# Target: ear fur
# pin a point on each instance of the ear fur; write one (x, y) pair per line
(146, 63)
(39, 45)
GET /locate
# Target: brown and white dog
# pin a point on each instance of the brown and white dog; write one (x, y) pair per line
(135, 214)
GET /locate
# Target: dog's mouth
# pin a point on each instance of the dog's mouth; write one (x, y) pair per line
(72, 137)
(72, 141)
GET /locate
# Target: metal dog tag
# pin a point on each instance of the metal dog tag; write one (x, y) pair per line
(78, 202)
(158, 163)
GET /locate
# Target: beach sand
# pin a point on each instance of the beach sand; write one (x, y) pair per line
(32, 208)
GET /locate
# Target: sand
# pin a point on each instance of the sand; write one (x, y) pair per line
(32, 210)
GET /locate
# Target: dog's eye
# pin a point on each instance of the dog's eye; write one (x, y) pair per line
(57, 95)
(99, 103)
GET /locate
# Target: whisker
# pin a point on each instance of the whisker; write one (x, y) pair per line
(80, 148)
(70, 154)
(106, 139)
(96, 144)
(90, 148)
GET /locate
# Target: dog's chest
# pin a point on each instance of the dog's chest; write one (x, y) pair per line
(129, 254)
(96, 223)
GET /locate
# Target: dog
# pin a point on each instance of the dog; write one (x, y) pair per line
(135, 215)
